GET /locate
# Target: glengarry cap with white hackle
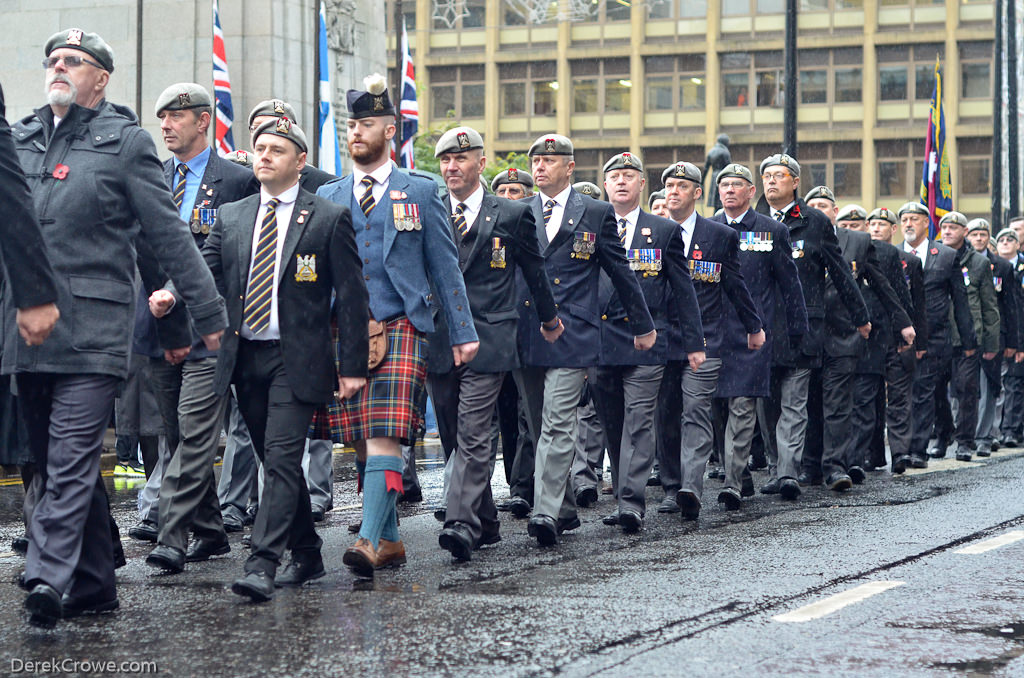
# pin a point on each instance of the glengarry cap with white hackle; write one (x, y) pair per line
(373, 101)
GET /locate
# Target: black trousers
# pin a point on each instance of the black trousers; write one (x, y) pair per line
(669, 441)
(925, 379)
(812, 459)
(508, 422)
(1012, 425)
(960, 379)
(277, 422)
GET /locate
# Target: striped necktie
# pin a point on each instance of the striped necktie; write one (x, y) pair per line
(366, 203)
(622, 231)
(779, 215)
(179, 188)
(459, 219)
(549, 208)
(259, 292)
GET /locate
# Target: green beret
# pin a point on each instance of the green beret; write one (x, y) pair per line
(182, 96)
(458, 140)
(883, 213)
(979, 225)
(954, 217)
(783, 160)
(275, 108)
(736, 170)
(657, 195)
(90, 43)
(821, 192)
(1008, 233)
(624, 161)
(284, 128)
(851, 213)
(551, 144)
(513, 175)
(912, 208)
(682, 170)
(373, 102)
(587, 188)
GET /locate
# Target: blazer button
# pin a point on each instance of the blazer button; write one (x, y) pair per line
(236, 333)
(604, 317)
(367, 277)
(459, 307)
(366, 261)
(463, 323)
(240, 297)
(557, 281)
(626, 319)
(526, 303)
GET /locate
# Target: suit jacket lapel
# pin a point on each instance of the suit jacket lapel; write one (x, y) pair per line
(447, 202)
(304, 203)
(484, 225)
(245, 235)
(169, 172)
(570, 218)
(397, 182)
(538, 217)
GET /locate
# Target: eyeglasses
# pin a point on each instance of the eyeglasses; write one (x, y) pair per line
(738, 184)
(774, 176)
(69, 61)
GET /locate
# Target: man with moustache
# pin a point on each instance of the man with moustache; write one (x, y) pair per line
(405, 244)
(75, 152)
(626, 383)
(946, 301)
(579, 239)
(496, 241)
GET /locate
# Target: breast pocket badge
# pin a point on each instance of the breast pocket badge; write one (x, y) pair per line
(202, 220)
(406, 216)
(756, 241)
(497, 253)
(305, 268)
(646, 261)
(583, 245)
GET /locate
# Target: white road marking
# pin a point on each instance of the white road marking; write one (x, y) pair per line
(8, 554)
(993, 543)
(837, 602)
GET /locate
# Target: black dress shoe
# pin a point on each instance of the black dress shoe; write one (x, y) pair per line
(612, 519)
(730, 498)
(440, 514)
(630, 521)
(166, 558)
(301, 570)
(689, 504)
(43, 606)
(457, 540)
(939, 451)
(856, 474)
(995, 445)
(355, 527)
(318, 514)
(20, 545)
(203, 549)
(543, 529)
(413, 495)
(668, 505)
(900, 464)
(807, 478)
(771, 487)
(985, 450)
(839, 482)
(963, 456)
(119, 559)
(918, 461)
(519, 507)
(747, 487)
(789, 489)
(76, 607)
(257, 586)
(487, 539)
(145, 530)
(250, 514)
(654, 480)
(586, 497)
(756, 464)
(231, 523)
(567, 524)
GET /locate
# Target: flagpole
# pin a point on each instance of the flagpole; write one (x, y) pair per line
(1013, 163)
(997, 130)
(399, 78)
(316, 85)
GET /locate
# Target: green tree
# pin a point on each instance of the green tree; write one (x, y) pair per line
(426, 142)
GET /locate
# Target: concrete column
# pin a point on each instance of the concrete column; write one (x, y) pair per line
(951, 96)
(491, 87)
(564, 75)
(869, 98)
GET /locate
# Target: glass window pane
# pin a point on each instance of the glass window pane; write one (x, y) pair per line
(849, 4)
(660, 10)
(813, 5)
(473, 101)
(813, 174)
(616, 95)
(691, 93)
(975, 177)
(735, 7)
(475, 14)
(584, 96)
(846, 178)
(892, 178)
(442, 100)
(768, 88)
(616, 11)
(771, 6)
(892, 82)
(848, 82)
(734, 60)
(659, 94)
(689, 9)
(444, 74)
(813, 87)
(924, 81)
(513, 98)
(660, 64)
(543, 98)
(976, 81)
(735, 89)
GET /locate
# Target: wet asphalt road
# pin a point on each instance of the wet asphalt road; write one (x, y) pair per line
(689, 599)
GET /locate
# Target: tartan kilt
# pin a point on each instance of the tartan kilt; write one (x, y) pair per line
(390, 405)
(326, 424)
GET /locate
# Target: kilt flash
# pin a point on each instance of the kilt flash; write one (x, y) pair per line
(390, 403)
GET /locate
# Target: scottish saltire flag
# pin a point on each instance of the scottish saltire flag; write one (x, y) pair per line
(407, 105)
(936, 184)
(221, 90)
(329, 157)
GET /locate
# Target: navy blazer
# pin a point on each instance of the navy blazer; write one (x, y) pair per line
(944, 289)
(587, 242)
(1007, 293)
(414, 259)
(668, 292)
(772, 279)
(717, 246)
(913, 273)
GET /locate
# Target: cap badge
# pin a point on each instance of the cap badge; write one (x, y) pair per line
(378, 103)
(463, 140)
(627, 160)
(549, 145)
(278, 106)
(513, 175)
(74, 37)
(284, 125)
(184, 99)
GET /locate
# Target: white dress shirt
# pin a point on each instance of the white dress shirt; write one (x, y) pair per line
(686, 227)
(738, 219)
(555, 222)
(775, 212)
(631, 219)
(472, 205)
(285, 207)
(381, 177)
(921, 251)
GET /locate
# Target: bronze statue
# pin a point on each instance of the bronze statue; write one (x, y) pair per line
(718, 158)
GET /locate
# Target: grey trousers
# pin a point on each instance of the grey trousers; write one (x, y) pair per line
(318, 468)
(590, 443)
(521, 482)
(70, 545)
(739, 431)
(783, 419)
(553, 394)
(237, 486)
(991, 387)
(698, 427)
(626, 400)
(188, 495)
(149, 497)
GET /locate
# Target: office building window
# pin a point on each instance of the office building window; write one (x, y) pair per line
(899, 169)
(466, 14)
(743, 74)
(829, 5)
(527, 88)
(600, 86)
(975, 166)
(677, 9)
(976, 70)
(907, 73)
(457, 91)
(829, 71)
(836, 165)
(752, 7)
(590, 162)
(675, 83)
(813, 86)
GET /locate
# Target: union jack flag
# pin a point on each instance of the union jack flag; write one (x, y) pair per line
(407, 105)
(221, 89)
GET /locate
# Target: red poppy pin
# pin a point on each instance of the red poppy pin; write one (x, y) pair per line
(934, 250)
(698, 255)
(60, 171)
(795, 212)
